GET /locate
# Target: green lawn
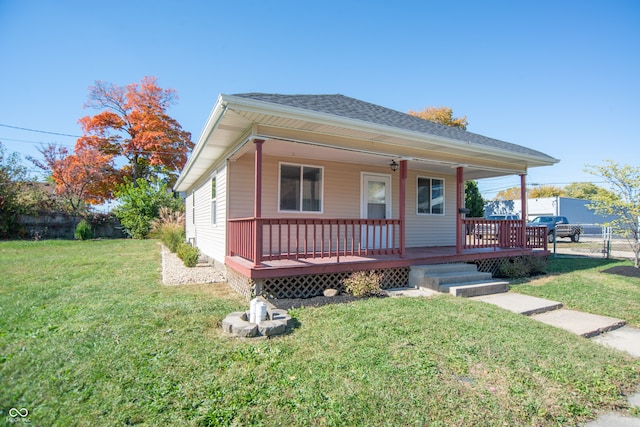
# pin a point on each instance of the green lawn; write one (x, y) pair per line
(89, 336)
(580, 284)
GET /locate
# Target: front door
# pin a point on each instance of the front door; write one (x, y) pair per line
(375, 204)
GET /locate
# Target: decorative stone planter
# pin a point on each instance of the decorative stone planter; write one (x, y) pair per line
(237, 324)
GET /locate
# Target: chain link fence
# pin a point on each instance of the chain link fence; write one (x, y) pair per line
(595, 240)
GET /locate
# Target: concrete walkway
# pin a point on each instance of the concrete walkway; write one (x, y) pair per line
(607, 331)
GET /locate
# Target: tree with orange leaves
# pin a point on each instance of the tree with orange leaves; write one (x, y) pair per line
(134, 124)
(82, 178)
(442, 115)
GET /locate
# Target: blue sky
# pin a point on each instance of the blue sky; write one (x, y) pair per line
(561, 77)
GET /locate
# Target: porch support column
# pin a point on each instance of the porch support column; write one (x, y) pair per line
(257, 203)
(523, 208)
(459, 206)
(403, 207)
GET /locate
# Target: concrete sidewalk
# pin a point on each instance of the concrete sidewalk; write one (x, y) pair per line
(608, 331)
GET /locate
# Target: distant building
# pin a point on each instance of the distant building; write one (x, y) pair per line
(575, 210)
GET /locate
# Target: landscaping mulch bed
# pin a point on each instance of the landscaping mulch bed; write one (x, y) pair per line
(623, 270)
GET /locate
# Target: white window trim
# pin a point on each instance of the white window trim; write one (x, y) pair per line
(214, 200)
(444, 195)
(193, 206)
(302, 165)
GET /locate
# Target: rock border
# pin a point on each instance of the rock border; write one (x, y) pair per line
(237, 324)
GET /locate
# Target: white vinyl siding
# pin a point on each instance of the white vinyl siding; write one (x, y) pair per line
(209, 221)
(430, 230)
(342, 182)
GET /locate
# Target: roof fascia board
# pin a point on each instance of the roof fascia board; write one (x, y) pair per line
(212, 123)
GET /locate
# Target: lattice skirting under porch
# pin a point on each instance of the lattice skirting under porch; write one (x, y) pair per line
(241, 284)
(307, 286)
(492, 265)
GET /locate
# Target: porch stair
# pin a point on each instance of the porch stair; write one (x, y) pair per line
(458, 279)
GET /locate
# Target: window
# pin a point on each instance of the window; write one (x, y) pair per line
(430, 196)
(213, 201)
(300, 188)
(193, 207)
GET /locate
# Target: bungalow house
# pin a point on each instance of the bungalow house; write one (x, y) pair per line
(291, 193)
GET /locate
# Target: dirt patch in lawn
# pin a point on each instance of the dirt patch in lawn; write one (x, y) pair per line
(623, 270)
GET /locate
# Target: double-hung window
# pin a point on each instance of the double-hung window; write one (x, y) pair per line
(430, 196)
(300, 188)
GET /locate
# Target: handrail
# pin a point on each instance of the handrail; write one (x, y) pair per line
(501, 233)
(308, 238)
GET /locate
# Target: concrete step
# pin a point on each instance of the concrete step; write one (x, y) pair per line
(459, 279)
(435, 280)
(444, 268)
(478, 288)
(519, 303)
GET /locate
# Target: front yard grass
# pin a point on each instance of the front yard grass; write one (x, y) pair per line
(581, 284)
(89, 336)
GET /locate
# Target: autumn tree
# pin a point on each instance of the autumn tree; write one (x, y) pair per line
(442, 115)
(133, 124)
(583, 190)
(512, 193)
(545, 190)
(83, 177)
(623, 201)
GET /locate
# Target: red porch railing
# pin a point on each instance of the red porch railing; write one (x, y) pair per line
(486, 233)
(267, 239)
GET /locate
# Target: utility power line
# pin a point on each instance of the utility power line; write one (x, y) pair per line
(40, 131)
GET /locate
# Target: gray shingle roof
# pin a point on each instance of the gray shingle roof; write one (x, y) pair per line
(344, 106)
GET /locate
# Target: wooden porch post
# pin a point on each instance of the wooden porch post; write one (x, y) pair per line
(403, 207)
(459, 206)
(257, 204)
(523, 208)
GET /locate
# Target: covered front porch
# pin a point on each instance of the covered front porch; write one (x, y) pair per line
(287, 252)
(307, 276)
(375, 260)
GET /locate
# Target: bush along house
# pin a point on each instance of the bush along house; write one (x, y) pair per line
(292, 193)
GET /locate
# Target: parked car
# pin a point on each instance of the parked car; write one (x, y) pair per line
(490, 230)
(559, 224)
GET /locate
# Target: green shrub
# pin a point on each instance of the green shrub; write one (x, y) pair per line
(83, 231)
(140, 204)
(188, 254)
(172, 237)
(169, 227)
(514, 268)
(362, 283)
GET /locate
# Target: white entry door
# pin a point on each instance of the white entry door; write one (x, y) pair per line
(375, 204)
